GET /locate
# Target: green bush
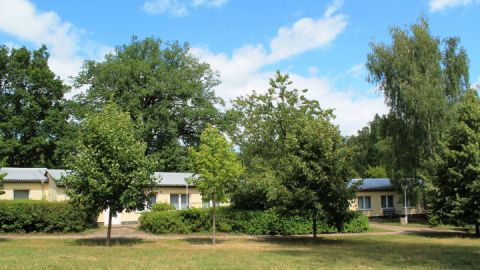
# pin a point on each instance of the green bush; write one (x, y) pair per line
(358, 223)
(240, 221)
(163, 222)
(25, 216)
(162, 207)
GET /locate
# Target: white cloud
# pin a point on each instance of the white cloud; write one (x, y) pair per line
(66, 45)
(356, 70)
(247, 69)
(307, 33)
(178, 8)
(174, 7)
(438, 5)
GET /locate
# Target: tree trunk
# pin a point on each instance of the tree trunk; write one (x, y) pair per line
(477, 230)
(213, 220)
(109, 230)
(314, 225)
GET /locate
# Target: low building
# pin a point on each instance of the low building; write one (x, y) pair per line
(47, 184)
(377, 197)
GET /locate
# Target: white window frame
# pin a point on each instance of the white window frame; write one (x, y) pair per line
(180, 200)
(363, 199)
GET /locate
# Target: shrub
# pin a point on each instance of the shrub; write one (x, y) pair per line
(27, 216)
(162, 207)
(163, 222)
(358, 223)
(240, 221)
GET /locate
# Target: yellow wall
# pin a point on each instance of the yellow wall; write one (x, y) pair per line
(35, 190)
(377, 203)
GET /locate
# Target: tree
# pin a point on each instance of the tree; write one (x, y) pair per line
(420, 82)
(163, 87)
(110, 170)
(371, 149)
(296, 159)
(216, 165)
(34, 127)
(317, 171)
(456, 189)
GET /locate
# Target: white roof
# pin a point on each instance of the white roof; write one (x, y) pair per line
(172, 178)
(24, 174)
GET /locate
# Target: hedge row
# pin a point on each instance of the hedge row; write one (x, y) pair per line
(25, 216)
(238, 221)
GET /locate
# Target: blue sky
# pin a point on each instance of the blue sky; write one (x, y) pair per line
(322, 44)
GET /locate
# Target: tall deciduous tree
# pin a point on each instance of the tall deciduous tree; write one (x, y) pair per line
(456, 189)
(34, 127)
(110, 170)
(216, 166)
(295, 157)
(163, 87)
(419, 82)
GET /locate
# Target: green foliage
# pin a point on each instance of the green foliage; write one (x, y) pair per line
(376, 172)
(371, 148)
(26, 216)
(110, 169)
(2, 175)
(163, 87)
(420, 82)
(456, 189)
(158, 207)
(163, 222)
(34, 127)
(232, 220)
(295, 157)
(215, 165)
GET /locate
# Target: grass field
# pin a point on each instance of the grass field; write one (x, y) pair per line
(419, 223)
(359, 252)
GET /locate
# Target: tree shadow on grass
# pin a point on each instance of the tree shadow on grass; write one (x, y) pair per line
(115, 241)
(382, 252)
(202, 240)
(442, 234)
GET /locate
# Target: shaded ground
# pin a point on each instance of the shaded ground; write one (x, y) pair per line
(131, 232)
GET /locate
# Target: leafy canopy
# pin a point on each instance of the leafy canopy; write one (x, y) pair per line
(215, 164)
(420, 82)
(34, 131)
(456, 189)
(163, 87)
(110, 169)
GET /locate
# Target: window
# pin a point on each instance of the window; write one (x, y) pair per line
(387, 201)
(21, 194)
(152, 199)
(179, 201)
(364, 203)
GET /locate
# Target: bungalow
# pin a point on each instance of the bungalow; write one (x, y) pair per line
(47, 184)
(377, 197)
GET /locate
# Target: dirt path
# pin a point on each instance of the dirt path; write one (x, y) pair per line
(131, 232)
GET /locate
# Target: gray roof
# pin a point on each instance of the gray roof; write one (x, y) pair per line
(374, 184)
(172, 178)
(24, 174)
(58, 174)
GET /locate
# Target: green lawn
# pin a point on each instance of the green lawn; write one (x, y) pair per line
(359, 252)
